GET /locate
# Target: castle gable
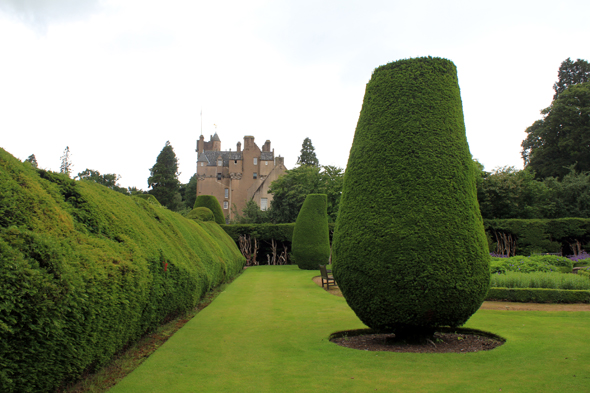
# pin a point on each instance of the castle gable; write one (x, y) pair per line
(210, 157)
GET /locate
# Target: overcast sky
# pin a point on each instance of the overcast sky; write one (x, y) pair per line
(115, 80)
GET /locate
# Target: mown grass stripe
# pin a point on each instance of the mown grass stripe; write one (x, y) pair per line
(268, 332)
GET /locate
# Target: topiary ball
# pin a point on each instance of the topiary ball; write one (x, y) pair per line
(210, 202)
(409, 248)
(311, 237)
(201, 214)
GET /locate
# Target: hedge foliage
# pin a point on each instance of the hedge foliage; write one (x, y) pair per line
(85, 270)
(311, 236)
(551, 280)
(541, 236)
(409, 250)
(201, 214)
(539, 295)
(535, 263)
(210, 202)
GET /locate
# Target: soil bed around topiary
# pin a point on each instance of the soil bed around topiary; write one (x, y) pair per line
(445, 341)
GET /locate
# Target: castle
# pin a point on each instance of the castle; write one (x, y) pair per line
(235, 177)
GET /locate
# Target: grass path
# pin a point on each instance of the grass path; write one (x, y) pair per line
(268, 332)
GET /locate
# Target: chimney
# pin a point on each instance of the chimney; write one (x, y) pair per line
(266, 146)
(239, 148)
(201, 144)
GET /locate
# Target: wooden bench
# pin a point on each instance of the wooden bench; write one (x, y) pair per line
(326, 277)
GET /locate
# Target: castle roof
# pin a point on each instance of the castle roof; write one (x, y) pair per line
(266, 156)
(210, 157)
(215, 138)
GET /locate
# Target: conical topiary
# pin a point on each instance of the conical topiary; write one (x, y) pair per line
(311, 237)
(210, 202)
(409, 249)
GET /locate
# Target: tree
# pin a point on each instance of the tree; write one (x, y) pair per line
(562, 138)
(33, 161)
(251, 214)
(163, 179)
(311, 236)
(66, 162)
(571, 73)
(289, 191)
(109, 180)
(188, 192)
(409, 250)
(511, 193)
(307, 156)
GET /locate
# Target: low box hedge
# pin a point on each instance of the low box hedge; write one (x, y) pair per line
(538, 295)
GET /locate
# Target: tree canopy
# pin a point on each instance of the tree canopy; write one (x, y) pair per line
(289, 191)
(307, 156)
(562, 138)
(33, 161)
(163, 179)
(571, 73)
(109, 180)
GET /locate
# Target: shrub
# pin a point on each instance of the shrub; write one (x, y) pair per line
(210, 202)
(539, 295)
(201, 214)
(539, 280)
(538, 263)
(311, 238)
(86, 270)
(410, 252)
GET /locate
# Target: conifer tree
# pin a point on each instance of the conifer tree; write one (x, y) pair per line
(163, 179)
(307, 156)
(66, 162)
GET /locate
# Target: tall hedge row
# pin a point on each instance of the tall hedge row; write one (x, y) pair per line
(311, 237)
(211, 203)
(85, 270)
(409, 250)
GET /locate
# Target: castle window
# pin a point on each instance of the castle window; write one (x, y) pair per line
(255, 161)
(235, 161)
(219, 162)
(263, 204)
(227, 192)
(202, 164)
(225, 205)
(265, 162)
(219, 176)
(255, 176)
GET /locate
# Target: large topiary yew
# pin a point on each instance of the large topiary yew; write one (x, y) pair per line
(409, 248)
(311, 237)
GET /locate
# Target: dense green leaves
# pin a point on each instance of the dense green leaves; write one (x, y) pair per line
(211, 203)
(571, 73)
(409, 249)
(289, 191)
(311, 237)
(109, 180)
(163, 179)
(562, 138)
(307, 156)
(86, 270)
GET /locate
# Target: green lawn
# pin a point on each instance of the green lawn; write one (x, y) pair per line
(268, 332)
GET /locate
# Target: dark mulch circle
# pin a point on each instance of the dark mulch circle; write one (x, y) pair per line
(457, 341)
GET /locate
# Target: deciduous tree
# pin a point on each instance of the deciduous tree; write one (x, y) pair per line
(66, 162)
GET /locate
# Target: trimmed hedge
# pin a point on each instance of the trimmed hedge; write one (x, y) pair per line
(201, 214)
(311, 236)
(535, 263)
(210, 202)
(410, 251)
(538, 295)
(86, 270)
